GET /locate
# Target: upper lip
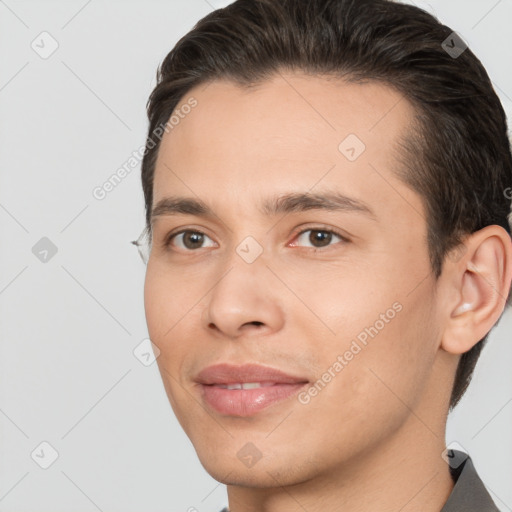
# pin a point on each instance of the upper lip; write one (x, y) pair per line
(230, 374)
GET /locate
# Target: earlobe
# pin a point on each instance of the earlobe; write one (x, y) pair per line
(482, 278)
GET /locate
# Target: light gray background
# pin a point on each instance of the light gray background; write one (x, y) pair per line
(69, 326)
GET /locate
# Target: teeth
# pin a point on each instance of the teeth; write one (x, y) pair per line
(251, 385)
(245, 385)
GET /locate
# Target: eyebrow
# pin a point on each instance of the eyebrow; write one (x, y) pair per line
(282, 204)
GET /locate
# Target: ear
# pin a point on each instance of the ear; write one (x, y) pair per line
(479, 284)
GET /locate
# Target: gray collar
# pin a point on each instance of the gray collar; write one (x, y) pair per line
(469, 493)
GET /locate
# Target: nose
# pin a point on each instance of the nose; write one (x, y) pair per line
(244, 302)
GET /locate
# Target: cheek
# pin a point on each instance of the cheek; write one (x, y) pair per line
(167, 301)
(163, 313)
(382, 325)
(391, 355)
(166, 315)
(173, 317)
(154, 298)
(371, 396)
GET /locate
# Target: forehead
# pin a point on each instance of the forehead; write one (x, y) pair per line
(296, 104)
(290, 132)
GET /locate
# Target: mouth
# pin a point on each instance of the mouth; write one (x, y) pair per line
(245, 385)
(247, 389)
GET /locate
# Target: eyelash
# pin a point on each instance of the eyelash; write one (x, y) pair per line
(167, 241)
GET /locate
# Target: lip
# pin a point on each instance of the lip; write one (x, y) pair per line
(277, 386)
(228, 374)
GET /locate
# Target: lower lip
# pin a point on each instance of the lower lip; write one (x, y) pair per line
(247, 402)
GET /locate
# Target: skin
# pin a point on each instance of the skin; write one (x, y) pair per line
(355, 446)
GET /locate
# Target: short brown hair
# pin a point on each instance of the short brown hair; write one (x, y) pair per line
(457, 157)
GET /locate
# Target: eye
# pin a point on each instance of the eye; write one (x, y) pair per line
(320, 237)
(190, 240)
(187, 239)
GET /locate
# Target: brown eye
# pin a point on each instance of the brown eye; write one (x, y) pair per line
(319, 238)
(187, 240)
(322, 237)
(192, 240)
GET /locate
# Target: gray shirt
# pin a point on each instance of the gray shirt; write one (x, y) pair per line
(469, 493)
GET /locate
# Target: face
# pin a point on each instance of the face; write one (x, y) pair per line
(340, 299)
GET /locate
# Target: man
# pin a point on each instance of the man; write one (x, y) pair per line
(326, 203)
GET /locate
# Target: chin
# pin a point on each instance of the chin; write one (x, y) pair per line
(273, 468)
(232, 472)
